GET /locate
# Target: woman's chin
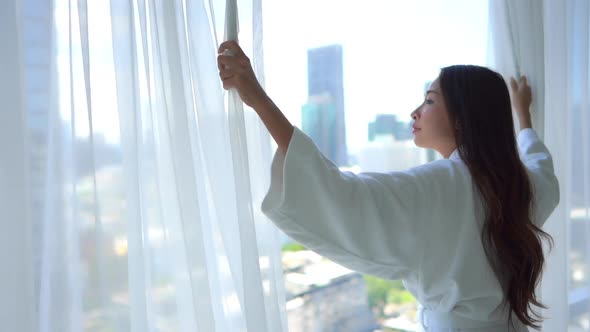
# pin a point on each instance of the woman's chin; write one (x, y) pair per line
(417, 142)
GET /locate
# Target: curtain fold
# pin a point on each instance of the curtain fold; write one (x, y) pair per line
(517, 47)
(555, 282)
(146, 177)
(567, 59)
(17, 309)
(549, 41)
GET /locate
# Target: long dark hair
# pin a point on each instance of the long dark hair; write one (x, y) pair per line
(478, 104)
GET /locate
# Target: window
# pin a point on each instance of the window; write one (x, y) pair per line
(349, 74)
(579, 214)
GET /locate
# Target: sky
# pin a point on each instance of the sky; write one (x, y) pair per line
(391, 49)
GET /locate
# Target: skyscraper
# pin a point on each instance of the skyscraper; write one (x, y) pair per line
(37, 28)
(387, 124)
(323, 115)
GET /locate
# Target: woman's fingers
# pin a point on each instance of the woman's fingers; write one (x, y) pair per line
(225, 74)
(226, 62)
(229, 83)
(232, 46)
(520, 84)
(237, 64)
(521, 96)
(231, 66)
(513, 84)
(236, 72)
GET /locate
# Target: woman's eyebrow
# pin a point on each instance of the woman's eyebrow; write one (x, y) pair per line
(431, 91)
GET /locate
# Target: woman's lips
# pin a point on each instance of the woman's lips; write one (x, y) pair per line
(415, 130)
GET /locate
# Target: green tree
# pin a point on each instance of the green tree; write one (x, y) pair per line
(382, 292)
(293, 246)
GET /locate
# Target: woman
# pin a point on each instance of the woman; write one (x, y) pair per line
(463, 233)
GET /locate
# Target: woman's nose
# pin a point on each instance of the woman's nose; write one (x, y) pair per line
(414, 114)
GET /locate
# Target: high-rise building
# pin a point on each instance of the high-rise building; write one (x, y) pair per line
(391, 147)
(385, 154)
(388, 125)
(323, 115)
(319, 121)
(37, 28)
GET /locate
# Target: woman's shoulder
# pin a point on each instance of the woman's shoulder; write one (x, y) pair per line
(441, 169)
(439, 174)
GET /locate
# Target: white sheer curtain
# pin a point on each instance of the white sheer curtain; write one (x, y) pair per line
(517, 42)
(567, 25)
(562, 67)
(145, 179)
(16, 283)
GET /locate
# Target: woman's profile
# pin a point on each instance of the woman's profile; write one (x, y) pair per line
(463, 233)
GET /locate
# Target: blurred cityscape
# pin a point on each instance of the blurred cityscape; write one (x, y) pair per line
(390, 141)
(324, 296)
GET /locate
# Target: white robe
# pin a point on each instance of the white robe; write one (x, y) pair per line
(421, 225)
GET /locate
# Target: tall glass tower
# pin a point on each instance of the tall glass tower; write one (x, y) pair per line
(323, 116)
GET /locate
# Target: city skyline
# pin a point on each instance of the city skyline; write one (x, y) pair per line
(391, 50)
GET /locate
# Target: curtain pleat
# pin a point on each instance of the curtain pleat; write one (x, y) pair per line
(147, 175)
(549, 41)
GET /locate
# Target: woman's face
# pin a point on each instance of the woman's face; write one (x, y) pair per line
(432, 126)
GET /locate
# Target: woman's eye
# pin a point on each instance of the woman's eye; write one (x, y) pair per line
(429, 101)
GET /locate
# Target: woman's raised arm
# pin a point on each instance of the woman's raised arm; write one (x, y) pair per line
(236, 72)
(522, 98)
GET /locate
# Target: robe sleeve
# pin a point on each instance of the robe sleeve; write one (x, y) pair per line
(539, 163)
(370, 222)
